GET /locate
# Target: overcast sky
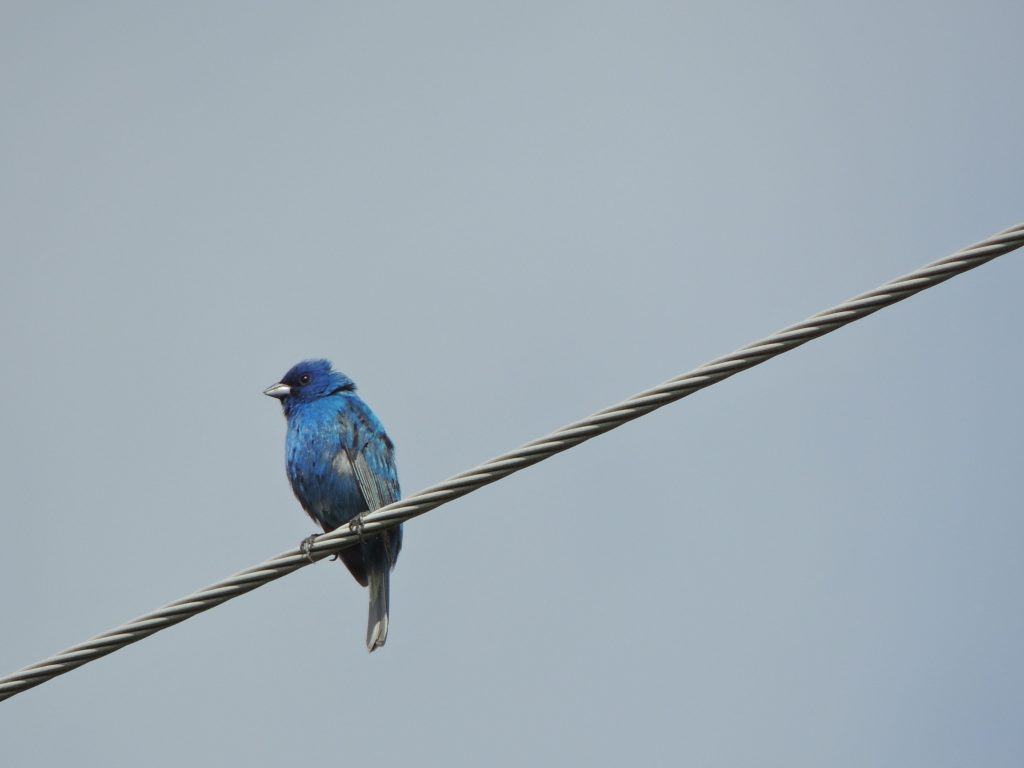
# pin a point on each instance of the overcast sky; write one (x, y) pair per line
(498, 218)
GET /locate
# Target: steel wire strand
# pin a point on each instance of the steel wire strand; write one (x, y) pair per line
(499, 467)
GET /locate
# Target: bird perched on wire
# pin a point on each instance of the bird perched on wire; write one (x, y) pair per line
(341, 463)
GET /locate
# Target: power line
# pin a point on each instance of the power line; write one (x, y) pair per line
(531, 453)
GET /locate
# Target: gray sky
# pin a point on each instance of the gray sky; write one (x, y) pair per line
(498, 218)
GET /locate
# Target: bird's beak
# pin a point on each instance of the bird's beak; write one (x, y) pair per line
(278, 390)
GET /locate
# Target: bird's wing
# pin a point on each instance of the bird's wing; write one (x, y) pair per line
(375, 472)
(372, 455)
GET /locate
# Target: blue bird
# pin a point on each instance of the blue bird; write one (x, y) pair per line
(341, 463)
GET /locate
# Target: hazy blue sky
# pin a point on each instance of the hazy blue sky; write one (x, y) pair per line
(497, 218)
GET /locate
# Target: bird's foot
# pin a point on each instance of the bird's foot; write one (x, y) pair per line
(306, 547)
(356, 525)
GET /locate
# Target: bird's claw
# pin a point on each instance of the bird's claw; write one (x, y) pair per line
(356, 525)
(306, 547)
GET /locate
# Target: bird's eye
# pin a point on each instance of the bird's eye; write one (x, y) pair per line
(304, 378)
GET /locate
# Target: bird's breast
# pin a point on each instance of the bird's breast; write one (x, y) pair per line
(321, 474)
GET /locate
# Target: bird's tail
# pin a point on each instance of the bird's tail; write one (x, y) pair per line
(379, 582)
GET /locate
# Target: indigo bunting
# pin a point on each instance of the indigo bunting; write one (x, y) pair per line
(341, 463)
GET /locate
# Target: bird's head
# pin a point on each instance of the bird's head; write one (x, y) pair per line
(308, 381)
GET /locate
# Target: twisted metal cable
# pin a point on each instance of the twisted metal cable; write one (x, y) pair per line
(504, 465)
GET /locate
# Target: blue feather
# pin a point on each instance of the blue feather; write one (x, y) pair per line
(341, 463)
